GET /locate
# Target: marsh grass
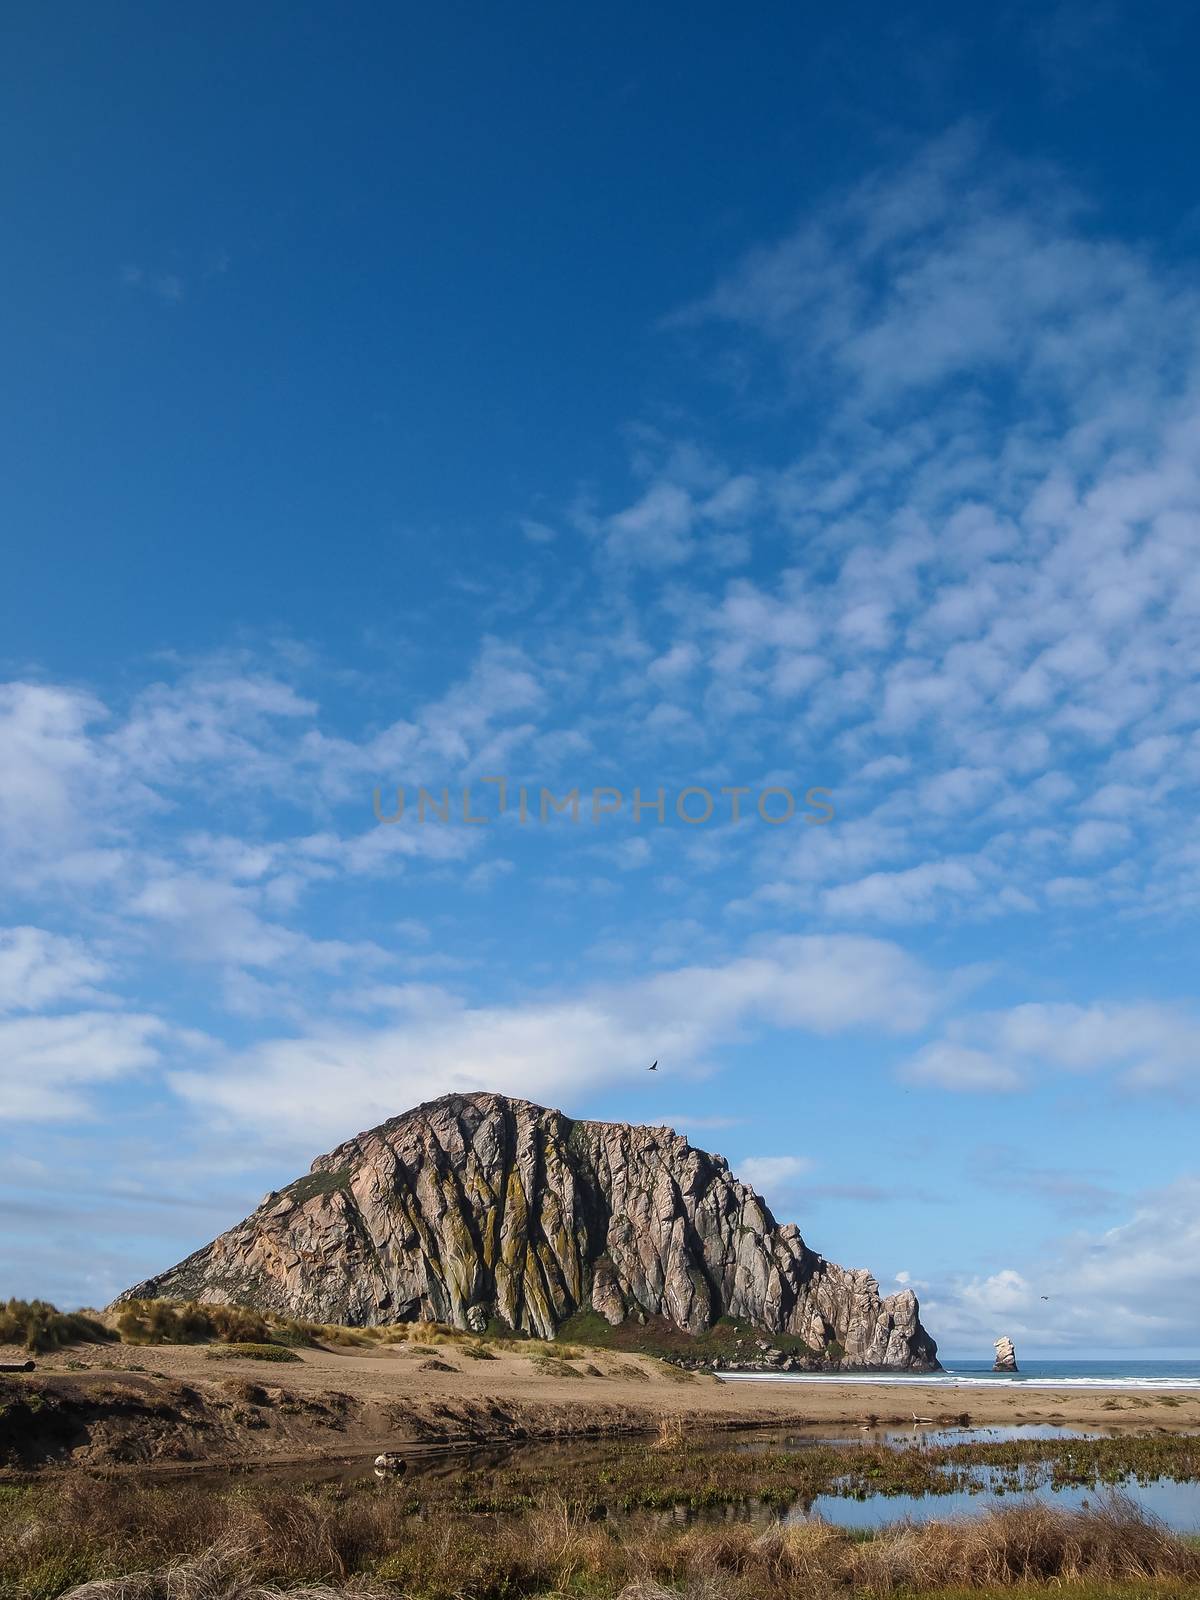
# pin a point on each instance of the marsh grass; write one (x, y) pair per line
(184, 1542)
(625, 1476)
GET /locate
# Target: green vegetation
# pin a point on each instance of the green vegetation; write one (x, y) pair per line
(317, 1183)
(193, 1542)
(40, 1326)
(255, 1352)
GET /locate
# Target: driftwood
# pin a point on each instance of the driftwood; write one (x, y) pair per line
(17, 1366)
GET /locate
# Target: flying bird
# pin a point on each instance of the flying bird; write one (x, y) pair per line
(653, 1068)
(1044, 1297)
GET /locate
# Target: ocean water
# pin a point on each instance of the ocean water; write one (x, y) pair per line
(1032, 1374)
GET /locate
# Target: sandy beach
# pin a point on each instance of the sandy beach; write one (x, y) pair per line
(128, 1404)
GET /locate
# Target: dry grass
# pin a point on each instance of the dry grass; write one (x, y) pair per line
(40, 1327)
(186, 1322)
(149, 1322)
(154, 1322)
(671, 1435)
(128, 1541)
(219, 1574)
(1029, 1544)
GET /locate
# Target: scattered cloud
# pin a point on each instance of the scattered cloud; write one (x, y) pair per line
(47, 1064)
(955, 582)
(315, 1084)
(1144, 1047)
(1125, 1288)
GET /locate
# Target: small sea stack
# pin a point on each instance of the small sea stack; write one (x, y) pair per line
(1006, 1356)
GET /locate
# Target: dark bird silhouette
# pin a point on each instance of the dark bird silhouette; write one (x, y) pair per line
(654, 1068)
(1044, 1297)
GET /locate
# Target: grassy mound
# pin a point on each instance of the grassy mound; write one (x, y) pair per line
(254, 1352)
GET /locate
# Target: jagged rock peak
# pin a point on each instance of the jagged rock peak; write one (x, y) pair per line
(477, 1208)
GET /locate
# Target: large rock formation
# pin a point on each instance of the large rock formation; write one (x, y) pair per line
(476, 1207)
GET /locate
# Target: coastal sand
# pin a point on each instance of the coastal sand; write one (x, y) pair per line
(393, 1396)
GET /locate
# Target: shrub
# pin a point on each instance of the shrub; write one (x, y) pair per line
(186, 1322)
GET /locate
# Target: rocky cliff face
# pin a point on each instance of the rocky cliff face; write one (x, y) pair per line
(477, 1207)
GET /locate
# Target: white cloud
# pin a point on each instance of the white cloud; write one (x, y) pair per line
(487, 873)
(225, 717)
(48, 1063)
(40, 969)
(1023, 573)
(1091, 839)
(209, 920)
(1004, 1292)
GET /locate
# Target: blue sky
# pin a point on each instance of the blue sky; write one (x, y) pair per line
(620, 400)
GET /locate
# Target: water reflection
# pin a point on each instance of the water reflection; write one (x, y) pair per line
(1175, 1504)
